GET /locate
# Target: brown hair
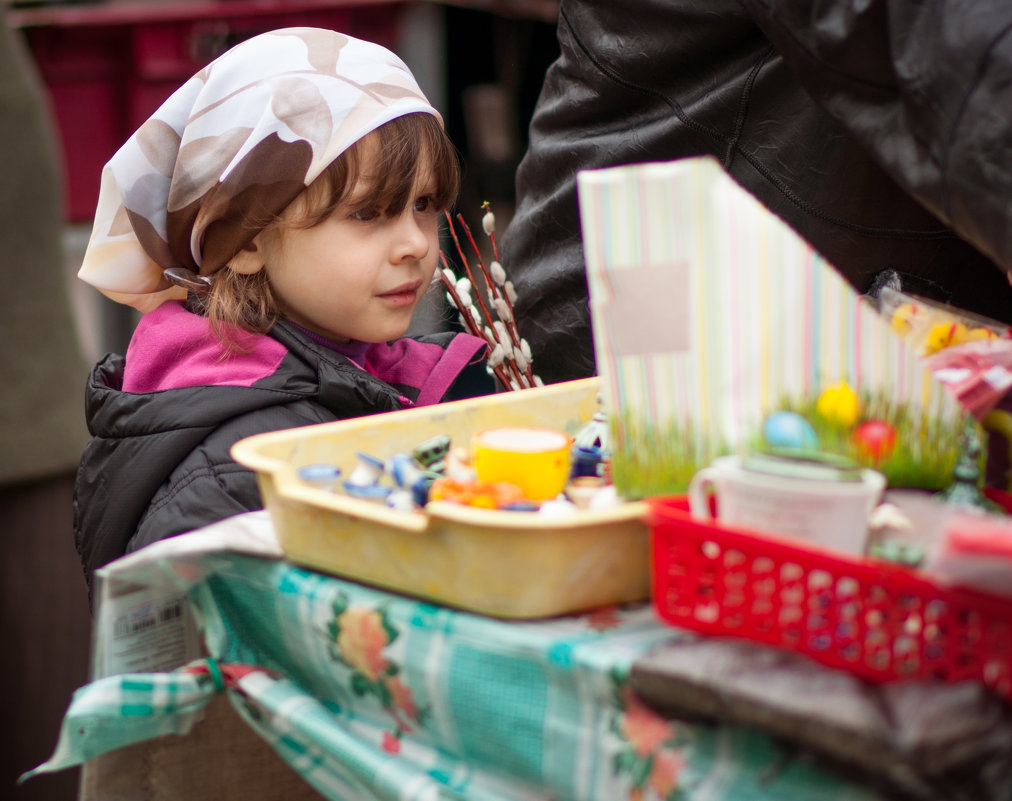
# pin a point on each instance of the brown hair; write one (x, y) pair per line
(246, 301)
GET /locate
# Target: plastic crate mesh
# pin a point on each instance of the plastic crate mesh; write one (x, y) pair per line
(877, 620)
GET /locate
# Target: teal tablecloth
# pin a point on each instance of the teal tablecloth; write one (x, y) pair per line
(370, 695)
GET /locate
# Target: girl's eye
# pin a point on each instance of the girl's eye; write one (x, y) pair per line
(365, 215)
(424, 204)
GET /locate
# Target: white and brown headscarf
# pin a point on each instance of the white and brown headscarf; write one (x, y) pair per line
(237, 142)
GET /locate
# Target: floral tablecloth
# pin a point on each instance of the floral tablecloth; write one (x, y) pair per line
(370, 695)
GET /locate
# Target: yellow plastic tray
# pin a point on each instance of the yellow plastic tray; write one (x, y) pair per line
(506, 564)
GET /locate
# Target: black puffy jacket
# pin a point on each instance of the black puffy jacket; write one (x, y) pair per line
(878, 129)
(158, 462)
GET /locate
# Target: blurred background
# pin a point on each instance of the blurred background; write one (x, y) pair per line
(76, 79)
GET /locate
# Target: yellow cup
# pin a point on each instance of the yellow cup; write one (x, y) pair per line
(535, 459)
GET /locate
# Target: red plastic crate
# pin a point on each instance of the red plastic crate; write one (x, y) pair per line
(875, 619)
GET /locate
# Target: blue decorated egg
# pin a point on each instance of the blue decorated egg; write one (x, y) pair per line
(789, 430)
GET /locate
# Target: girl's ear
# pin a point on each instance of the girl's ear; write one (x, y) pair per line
(247, 261)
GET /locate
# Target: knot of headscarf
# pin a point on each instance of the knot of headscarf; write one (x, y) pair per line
(235, 145)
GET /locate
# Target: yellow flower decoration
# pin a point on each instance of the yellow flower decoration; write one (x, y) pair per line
(976, 334)
(943, 335)
(903, 318)
(839, 404)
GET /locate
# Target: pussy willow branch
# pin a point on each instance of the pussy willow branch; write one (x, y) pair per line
(510, 355)
(496, 292)
(488, 226)
(467, 266)
(469, 321)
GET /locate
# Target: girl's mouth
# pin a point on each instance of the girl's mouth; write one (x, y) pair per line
(404, 295)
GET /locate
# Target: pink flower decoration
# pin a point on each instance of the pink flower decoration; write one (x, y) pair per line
(403, 700)
(391, 743)
(645, 730)
(667, 768)
(362, 639)
(606, 617)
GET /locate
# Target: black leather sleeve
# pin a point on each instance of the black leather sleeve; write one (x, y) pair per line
(925, 87)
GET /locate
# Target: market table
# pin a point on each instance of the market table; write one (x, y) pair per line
(372, 695)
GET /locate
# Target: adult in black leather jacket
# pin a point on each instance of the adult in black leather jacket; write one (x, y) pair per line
(878, 129)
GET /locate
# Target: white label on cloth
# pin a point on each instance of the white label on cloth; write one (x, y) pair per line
(143, 630)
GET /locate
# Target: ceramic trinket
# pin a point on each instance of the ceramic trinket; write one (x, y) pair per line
(367, 472)
(965, 489)
(431, 454)
(321, 476)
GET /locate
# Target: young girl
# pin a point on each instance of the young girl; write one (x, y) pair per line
(276, 220)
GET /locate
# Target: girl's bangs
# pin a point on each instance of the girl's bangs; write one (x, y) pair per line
(389, 159)
(403, 144)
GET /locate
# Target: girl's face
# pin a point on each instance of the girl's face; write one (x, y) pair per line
(359, 274)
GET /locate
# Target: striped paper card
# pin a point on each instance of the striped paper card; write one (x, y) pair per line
(709, 312)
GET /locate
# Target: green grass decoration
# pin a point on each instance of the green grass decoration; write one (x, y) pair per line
(650, 459)
(926, 450)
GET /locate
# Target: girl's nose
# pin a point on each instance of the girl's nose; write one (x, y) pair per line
(411, 242)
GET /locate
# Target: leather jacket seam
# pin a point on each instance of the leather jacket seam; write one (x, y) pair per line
(743, 106)
(863, 230)
(678, 111)
(802, 47)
